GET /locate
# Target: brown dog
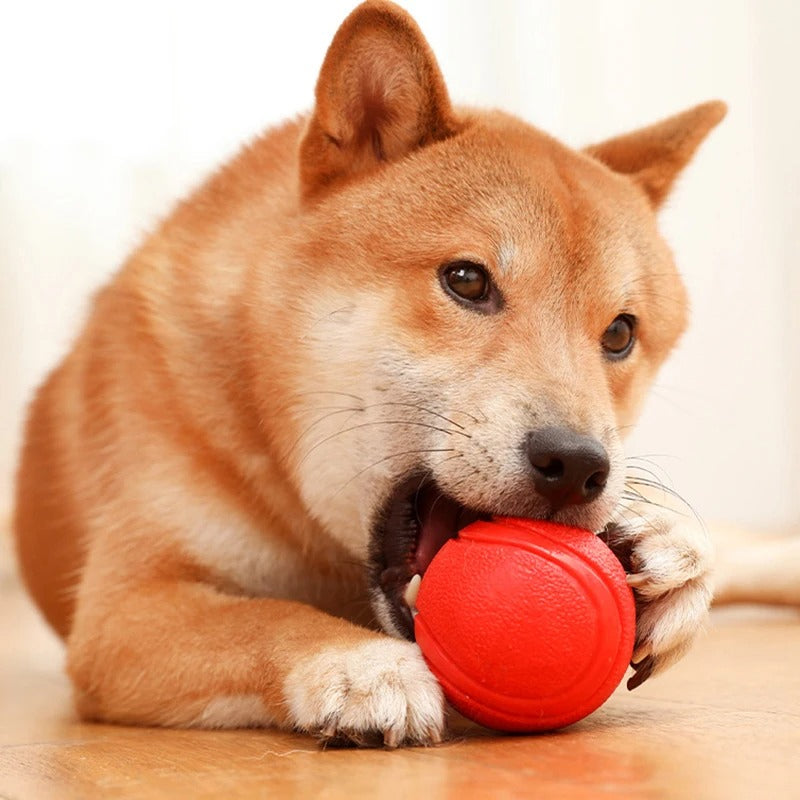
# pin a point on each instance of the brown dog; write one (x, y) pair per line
(377, 323)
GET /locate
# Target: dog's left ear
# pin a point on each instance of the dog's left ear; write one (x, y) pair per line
(654, 156)
(379, 96)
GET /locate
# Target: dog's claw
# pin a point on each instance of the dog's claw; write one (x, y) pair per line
(391, 738)
(433, 736)
(332, 738)
(643, 670)
(640, 653)
(328, 731)
(636, 579)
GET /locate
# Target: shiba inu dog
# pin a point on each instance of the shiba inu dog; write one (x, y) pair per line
(379, 322)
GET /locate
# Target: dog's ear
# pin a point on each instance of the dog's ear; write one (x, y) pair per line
(654, 156)
(379, 96)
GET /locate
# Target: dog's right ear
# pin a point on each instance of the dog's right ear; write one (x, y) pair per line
(654, 156)
(379, 96)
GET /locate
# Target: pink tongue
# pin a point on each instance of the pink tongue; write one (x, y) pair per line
(439, 521)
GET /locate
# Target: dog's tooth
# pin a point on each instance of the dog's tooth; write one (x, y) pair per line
(411, 592)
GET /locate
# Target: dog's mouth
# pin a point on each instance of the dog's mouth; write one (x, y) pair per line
(417, 520)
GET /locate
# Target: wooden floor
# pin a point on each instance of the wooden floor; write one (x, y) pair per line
(723, 724)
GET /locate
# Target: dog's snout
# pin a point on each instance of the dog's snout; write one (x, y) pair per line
(568, 468)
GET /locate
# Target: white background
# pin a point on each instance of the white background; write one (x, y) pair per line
(110, 111)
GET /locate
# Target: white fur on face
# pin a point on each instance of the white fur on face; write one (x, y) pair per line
(491, 471)
(372, 414)
(506, 252)
(356, 435)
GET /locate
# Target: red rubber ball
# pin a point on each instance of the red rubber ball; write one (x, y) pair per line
(528, 625)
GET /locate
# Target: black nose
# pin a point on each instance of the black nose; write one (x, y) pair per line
(568, 468)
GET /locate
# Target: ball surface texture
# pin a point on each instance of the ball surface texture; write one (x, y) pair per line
(528, 625)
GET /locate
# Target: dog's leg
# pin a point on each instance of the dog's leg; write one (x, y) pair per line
(755, 568)
(168, 651)
(668, 558)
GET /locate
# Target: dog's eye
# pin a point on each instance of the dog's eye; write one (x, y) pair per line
(467, 281)
(470, 285)
(619, 337)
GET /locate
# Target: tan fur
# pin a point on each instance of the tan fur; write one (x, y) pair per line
(200, 473)
(756, 567)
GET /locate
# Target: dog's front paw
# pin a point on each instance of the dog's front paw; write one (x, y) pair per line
(668, 560)
(378, 692)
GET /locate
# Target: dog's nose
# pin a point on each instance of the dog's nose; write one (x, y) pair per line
(568, 468)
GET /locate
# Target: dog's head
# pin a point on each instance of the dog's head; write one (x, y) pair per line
(483, 307)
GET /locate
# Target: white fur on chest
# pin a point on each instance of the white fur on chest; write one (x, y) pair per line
(216, 535)
(225, 542)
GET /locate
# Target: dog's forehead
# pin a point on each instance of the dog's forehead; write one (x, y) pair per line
(551, 180)
(502, 192)
(501, 170)
(543, 202)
